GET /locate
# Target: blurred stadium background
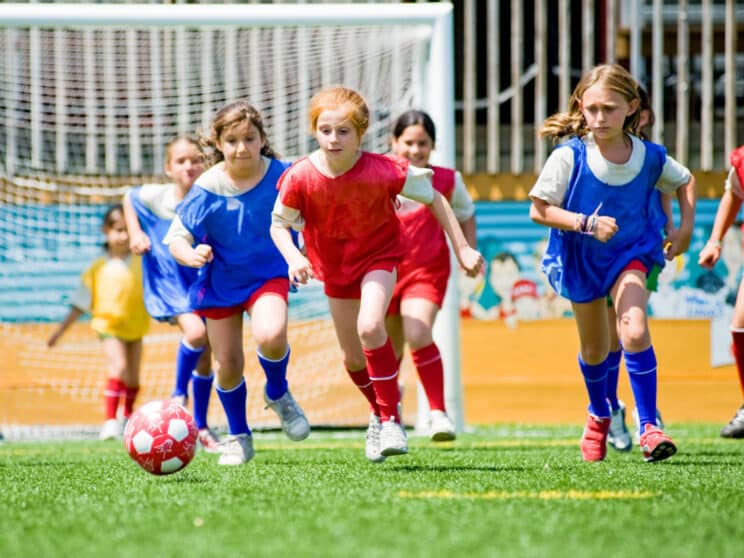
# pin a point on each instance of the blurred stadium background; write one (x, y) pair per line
(514, 64)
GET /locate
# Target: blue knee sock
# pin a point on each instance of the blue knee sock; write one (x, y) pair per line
(642, 373)
(202, 389)
(613, 372)
(276, 375)
(595, 379)
(233, 401)
(186, 360)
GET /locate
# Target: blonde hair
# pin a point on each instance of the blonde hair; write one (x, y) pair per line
(571, 123)
(337, 97)
(231, 115)
(178, 139)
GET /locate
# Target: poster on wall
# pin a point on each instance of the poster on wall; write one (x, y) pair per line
(513, 289)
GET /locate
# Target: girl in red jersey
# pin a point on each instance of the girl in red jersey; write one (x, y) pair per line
(343, 199)
(424, 271)
(728, 208)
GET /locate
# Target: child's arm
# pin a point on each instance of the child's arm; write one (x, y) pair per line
(469, 258)
(71, 317)
(728, 207)
(180, 245)
(300, 270)
(680, 238)
(196, 256)
(139, 242)
(601, 227)
(468, 229)
(666, 206)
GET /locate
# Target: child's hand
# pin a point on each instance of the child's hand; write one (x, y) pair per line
(300, 270)
(710, 254)
(677, 242)
(471, 260)
(606, 228)
(139, 243)
(200, 256)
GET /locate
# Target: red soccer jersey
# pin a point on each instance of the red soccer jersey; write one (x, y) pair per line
(425, 245)
(737, 161)
(350, 220)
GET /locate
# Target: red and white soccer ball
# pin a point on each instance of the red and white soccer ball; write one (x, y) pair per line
(161, 437)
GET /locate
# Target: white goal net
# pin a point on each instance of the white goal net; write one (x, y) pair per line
(90, 95)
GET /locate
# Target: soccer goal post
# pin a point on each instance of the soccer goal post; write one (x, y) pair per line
(91, 95)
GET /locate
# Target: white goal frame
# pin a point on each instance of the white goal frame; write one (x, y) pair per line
(439, 101)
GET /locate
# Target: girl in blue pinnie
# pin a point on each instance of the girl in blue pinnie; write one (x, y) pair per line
(596, 193)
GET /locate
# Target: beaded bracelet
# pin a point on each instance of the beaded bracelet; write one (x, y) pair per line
(591, 225)
(580, 222)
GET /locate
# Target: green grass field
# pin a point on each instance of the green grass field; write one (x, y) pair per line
(498, 491)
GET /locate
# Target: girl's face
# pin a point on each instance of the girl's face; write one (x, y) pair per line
(241, 146)
(605, 111)
(185, 164)
(337, 135)
(415, 145)
(116, 234)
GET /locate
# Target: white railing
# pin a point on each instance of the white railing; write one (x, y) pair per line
(517, 68)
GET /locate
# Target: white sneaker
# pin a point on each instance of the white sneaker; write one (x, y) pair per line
(393, 439)
(236, 450)
(209, 440)
(181, 400)
(294, 422)
(637, 421)
(441, 428)
(372, 440)
(110, 430)
(618, 436)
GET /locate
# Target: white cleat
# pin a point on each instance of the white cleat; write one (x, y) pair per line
(372, 440)
(110, 430)
(441, 428)
(393, 439)
(236, 450)
(294, 422)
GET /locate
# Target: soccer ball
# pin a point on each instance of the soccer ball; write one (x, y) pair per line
(161, 437)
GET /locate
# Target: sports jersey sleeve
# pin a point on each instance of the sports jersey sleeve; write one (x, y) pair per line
(82, 298)
(733, 185)
(418, 185)
(552, 182)
(288, 217)
(178, 230)
(461, 202)
(287, 210)
(673, 175)
(191, 216)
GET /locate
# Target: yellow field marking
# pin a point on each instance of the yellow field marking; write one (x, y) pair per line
(532, 495)
(525, 442)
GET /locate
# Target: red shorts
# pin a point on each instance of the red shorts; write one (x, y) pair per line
(278, 286)
(420, 284)
(353, 289)
(636, 265)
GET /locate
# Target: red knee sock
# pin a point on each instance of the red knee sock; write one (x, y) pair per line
(737, 348)
(130, 395)
(382, 367)
(111, 394)
(362, 381)
(428, 362)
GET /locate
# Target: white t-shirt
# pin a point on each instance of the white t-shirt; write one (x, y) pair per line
(733, 185)
(553, 181)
